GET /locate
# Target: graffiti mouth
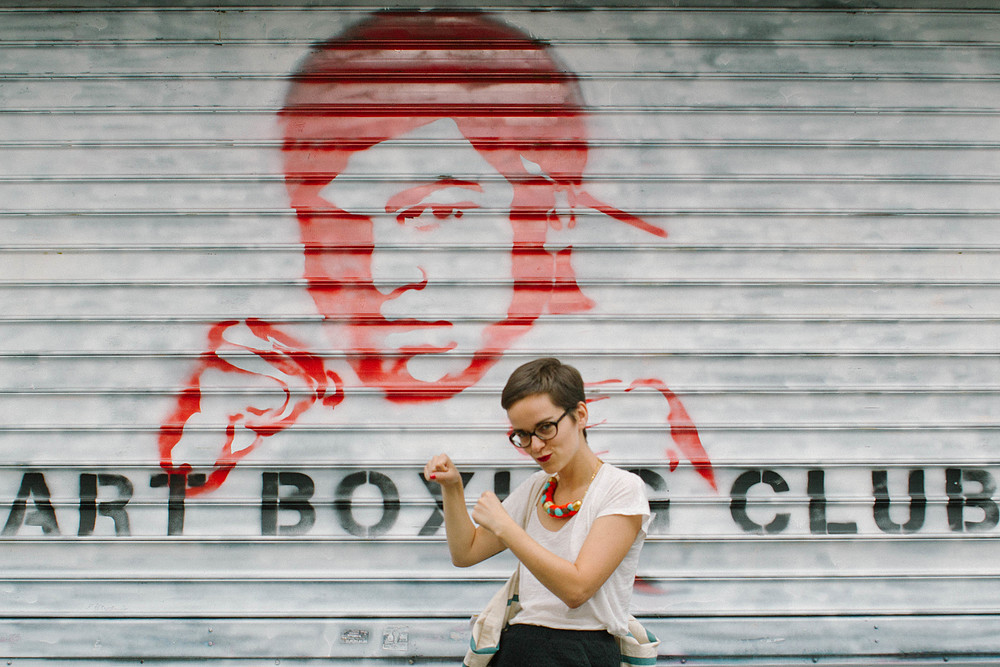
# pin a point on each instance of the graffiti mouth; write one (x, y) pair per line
(413, 337)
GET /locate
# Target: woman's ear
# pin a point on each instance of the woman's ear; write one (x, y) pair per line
(582, 414)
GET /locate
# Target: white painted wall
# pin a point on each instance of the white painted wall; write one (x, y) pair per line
(824, 305)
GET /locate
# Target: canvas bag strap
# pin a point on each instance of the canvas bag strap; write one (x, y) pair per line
(533, 497)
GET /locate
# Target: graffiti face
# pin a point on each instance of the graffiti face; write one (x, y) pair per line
(377, 253)
(433, 161)
(414, 205)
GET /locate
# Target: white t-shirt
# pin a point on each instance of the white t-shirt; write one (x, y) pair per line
(613, 491)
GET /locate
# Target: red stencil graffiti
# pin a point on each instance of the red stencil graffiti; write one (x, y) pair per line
(505, 123)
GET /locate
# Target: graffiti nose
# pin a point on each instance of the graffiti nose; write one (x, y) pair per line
(394, 275)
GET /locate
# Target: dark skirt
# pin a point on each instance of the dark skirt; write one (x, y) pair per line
(534, 646)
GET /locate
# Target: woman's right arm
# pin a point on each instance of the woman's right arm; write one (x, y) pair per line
(468, 543)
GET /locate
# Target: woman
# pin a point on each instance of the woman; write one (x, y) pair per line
(579, 551)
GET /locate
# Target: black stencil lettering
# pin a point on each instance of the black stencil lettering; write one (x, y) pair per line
(818, 525)
(177, 484)
(297, 501)
(436, 519)
(44, 516)
(88, 504)
(660, 507)
(90, 508)
(390, 503)
(738, 502)
(501, 484)
(883, 503)
(959, 499)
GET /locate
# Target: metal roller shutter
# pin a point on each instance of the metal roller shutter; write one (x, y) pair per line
(259, 261)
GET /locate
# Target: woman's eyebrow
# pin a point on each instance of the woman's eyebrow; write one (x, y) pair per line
(537, 424)
(416, 194)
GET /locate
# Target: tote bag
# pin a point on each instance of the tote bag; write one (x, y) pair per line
(638, 647)
(491, 621)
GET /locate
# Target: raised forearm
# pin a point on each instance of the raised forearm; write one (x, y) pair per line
(563, 578)
(467, 543)
(575, 582)
(460, 529)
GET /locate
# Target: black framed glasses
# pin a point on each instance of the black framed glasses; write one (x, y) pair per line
(544, 431)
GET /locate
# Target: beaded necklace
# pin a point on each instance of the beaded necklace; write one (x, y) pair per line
(569, 509)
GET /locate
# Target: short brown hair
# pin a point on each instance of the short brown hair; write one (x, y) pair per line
(562, 383)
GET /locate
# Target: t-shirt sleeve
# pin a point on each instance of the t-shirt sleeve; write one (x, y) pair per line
(626, 496)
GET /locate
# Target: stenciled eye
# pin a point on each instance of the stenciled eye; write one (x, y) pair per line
(428, 215)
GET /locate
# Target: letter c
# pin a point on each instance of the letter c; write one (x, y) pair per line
(738, 504)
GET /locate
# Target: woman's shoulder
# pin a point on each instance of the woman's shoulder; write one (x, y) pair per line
(616, 476)
(616, 486)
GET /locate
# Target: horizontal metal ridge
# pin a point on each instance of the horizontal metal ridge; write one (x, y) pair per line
(845, 317)
(731, 390)
(415, 465)
(704, 212)
(218, 41)
(530, 354)
(386, 577)
(605, 6)
(703, 427)
(592, 142)
(264, 542)
(592, 177)
(513, 76)
(70, 247)
(512, 109)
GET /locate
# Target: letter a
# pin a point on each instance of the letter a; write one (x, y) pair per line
(32, 484)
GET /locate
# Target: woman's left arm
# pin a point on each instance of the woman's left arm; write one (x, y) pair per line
(576, 582)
